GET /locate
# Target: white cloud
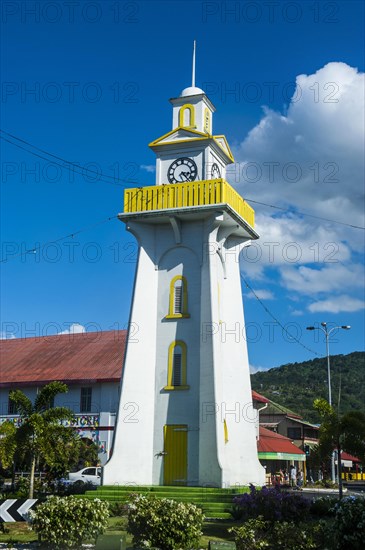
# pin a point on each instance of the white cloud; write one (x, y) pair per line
(339, 304)
(6, 335)
(263, 294)
(148, 167)
(254, 368)
(74, 328)
(328, 279)
(310, 160)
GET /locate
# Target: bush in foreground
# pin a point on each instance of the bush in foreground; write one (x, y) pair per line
(68, 522)
(272, 504)
(258, 534)
(164, 523)
(350, 523)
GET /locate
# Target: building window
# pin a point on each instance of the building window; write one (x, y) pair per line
(11, 407)
(176, 366)
(85, 400)
(176, 371)
(187, 116)
(294, 433)
(178, 297)
(207, 128)
(178, 300)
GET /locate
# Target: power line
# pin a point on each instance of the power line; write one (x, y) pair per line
(65, 163)
(305, 214)
(276, 319)
(72, 166)
(70, 235)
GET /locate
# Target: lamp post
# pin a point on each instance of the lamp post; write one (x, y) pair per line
(327, 333)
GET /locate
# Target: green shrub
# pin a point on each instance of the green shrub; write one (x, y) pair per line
(290, 536)
(273, 504)
(323, 506)
(118, 509)
(68, 522)
(163, 523)
(258, 534)
(252, 535)
(350, 523)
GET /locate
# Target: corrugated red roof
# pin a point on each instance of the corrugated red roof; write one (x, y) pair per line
(271, 442)
(72, 358)
(258, 397)
(347, 456)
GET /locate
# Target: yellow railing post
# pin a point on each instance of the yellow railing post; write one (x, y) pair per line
(180, 195)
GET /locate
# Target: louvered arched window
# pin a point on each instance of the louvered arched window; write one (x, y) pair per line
(178, 299)
(176, 369)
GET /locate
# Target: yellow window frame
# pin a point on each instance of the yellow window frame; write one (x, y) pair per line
(184, 314)
(207, 121)
(191, 109)
(170, 366)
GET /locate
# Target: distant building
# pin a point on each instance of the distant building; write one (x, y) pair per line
(89, 363)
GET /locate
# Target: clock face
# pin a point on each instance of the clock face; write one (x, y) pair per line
(182, 169)
(215, 173)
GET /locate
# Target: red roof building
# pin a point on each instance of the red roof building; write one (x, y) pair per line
(72, 358)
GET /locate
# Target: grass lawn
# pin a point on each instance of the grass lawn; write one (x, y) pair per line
(17, 532)
(212, 530)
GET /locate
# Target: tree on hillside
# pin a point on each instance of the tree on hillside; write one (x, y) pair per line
(344, 433)
(40, 434)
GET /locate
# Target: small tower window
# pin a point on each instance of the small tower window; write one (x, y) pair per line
(176, 366)
(178, 300)
(187, 116)
(207, 125)
(176, 371)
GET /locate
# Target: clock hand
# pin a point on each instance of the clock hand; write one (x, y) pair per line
(184, 175)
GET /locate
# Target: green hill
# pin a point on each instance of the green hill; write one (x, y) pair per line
(296, 385)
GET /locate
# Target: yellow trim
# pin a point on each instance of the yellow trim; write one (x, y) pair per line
(175, 467)
(178, 316)
(180, 195)
(225, 431)
(191, 110)
(160, 141)
(171, 132)
(207, 120)
(184, 314)
(228, 150)
(170, 365)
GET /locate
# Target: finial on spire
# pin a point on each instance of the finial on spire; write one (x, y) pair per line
(193, 71)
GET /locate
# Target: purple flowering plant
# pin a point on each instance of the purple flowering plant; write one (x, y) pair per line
(272, 504)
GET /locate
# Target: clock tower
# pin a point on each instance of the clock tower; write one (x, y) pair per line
(190, 151)
(185, 414)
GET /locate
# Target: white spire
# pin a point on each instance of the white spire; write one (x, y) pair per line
(193, 71)
(192, 90)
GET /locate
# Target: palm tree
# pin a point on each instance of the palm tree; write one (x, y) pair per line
(346, 432)
(40, 434)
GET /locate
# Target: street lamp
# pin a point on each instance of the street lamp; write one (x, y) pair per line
(327, 333)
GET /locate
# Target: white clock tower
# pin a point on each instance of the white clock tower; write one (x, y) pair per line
(185, 414)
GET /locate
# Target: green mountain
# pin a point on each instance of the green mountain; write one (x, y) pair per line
(296, 385)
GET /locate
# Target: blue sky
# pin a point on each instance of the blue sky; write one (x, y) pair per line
(89, 82)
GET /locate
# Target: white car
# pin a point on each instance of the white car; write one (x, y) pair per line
(90, 474)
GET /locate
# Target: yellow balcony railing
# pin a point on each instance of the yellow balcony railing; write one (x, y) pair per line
(180, 195)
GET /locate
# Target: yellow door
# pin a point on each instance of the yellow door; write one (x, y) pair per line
(175, 454)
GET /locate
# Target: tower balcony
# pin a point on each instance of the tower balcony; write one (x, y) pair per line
(188, 195)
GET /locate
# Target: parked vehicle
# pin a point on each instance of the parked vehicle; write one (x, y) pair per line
(90, 474)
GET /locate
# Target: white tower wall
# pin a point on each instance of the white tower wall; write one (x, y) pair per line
(217, 364)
